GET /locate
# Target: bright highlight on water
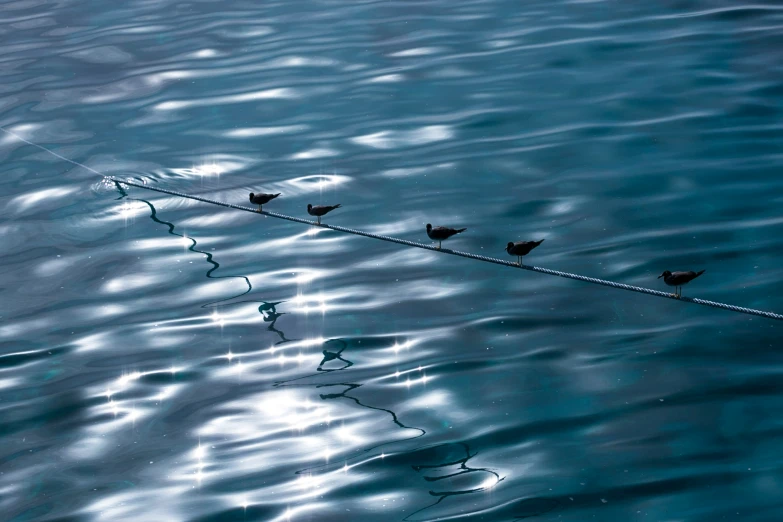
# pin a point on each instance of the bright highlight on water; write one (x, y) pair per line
(446, 233)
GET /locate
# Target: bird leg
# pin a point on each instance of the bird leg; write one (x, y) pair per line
(319, 220)
(259, 207)
(439, 242)
(519, 260)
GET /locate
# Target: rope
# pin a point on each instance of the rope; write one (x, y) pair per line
(540, 270)
(548, 271)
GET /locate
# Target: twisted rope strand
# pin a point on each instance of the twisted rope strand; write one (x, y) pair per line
(548, 271)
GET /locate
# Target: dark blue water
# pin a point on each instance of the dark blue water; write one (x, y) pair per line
(166, 360)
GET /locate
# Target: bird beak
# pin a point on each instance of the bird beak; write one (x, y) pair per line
(660, 276)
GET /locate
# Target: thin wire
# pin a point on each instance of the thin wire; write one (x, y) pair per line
(53, 153)
(548, 271)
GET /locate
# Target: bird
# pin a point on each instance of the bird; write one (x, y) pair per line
(262, 199)
(521, 248)
(677, 279)
(439, 234)
(320, 210)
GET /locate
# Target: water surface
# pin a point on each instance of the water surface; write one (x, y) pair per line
(162, 359)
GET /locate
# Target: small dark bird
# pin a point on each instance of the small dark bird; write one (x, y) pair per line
(440, 234)
(320, 210)
(262, 199)
(677, 279)
(521, 248)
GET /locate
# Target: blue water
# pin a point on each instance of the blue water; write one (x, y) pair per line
(166, 360)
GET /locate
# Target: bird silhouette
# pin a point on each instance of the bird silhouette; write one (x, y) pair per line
(677, 279)
(521, 248)
(440, 234)
(320, 210)
(262, 199)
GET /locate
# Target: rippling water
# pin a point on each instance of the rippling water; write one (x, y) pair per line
(161, 359)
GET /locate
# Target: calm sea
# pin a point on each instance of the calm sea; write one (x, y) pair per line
(166, 360)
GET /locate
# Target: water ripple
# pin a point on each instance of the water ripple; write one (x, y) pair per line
(164, 360)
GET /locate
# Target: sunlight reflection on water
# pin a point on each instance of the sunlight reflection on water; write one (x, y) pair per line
(164, 360)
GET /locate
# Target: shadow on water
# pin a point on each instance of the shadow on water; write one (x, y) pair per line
(447, 455)
(270, 314)
(192, 247)
(444, 455)
(267, 310)
(334, 356)
(337, 355)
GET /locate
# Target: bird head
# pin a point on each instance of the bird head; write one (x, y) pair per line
(509, 246)
(309, 207)
(666, 273)
(429, 227)
(251, 196)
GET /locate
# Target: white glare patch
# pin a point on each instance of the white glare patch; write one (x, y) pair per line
(205, 53)
(392, 139)
(126, 210)
(309, 183)
(200, 452)
(387, 78)
(489, 483)
(304, 278)
(314, 154)
(418, 51)
(45, 196)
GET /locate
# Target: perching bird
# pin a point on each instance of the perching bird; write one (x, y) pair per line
(440, 234)
(320, 210)
(677, 279)
(521, 248)
(262, 199)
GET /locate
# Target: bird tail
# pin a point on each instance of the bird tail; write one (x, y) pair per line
(278, 194)
(337, 206)
(700, 272)
(539, 242)
(460, 230)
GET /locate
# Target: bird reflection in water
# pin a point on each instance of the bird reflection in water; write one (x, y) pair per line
(267, 310)
(461, 468)
(193, 243)
(332, 356)
(334, 351)
(270, 314)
